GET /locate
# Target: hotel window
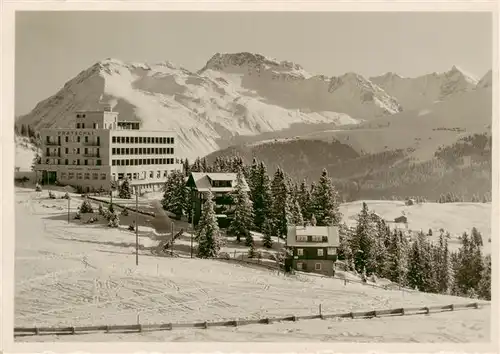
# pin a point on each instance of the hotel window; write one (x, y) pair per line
(113, 139)
(136, 140)
(164, 161)
(331, 251)
(158, 174)
(86, 139)
(113, 151)
(95, 176)
(172, 151)
(103, 176)
(150, 174)
(98, 162)
(317, 266)
(126, 151)
(77, 139)
(137, 161)
(77, 125)
(172, 140)
(132, 162)
(320, 252)
(79, 175)
(78, 162)
(164, 140)
(85, 162)
(66, 138)
(155, 161)
(94, 125)
(123, 151)
(78, 151)
(165, 173)
(140, 140)
(87, 175)
(127, 162)
(66, 150)
(126, 140)
(71, 175)
(299, 265)
(86, 151)
(66, 161)
(113, 163)
(168, 140)
(135, 151)
(83, 125)
(300, 252)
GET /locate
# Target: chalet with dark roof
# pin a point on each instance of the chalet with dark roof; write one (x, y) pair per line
(222, 185)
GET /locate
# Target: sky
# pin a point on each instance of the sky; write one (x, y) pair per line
(53, 47)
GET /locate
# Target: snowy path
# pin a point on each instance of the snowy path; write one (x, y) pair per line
(86, 275)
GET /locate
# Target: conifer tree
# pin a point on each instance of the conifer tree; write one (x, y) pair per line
(243, 214)
(124, 190)
(208, 234)
(176, 195)
(297, 214)
(477, 238)
(304, 198)
(415, 276)
(325, 202)
(261, 195)
(380, 250)
(86, 207)
(266, 237)
(23, 130)
(484, 286)
(281, 208)
(186, 168)
(364, 242)
(397, 259)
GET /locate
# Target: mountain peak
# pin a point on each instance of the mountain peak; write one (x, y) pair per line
(220, 61)
(486, 80)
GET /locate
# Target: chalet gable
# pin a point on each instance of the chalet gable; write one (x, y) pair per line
(215, 182)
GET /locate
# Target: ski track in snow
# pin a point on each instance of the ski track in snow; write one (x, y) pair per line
(99, 284)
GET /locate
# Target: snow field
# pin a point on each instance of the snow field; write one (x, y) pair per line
(456, 218)
(86, 275)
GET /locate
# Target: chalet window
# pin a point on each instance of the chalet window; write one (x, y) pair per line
(95, 176)
(301, 238)
(300, 252)
(324, 239)
(103, 176)
(316, 238)
(71, 175)
(320, 252)
(87, 175)
(317, 266)
(331, 251)
(299, 265)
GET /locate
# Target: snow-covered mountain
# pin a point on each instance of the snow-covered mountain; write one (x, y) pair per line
(486, 80)
(419, 92)
(233, 95)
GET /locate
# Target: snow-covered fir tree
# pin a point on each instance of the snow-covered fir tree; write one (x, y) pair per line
(86, 207)
(208, 234)
(243, 212)
(297, 218)
(124, 190)
(325, 202)
(261, 195)
(267, 232)
(304, 198)
(175, 194)
(363, 242)
(281, 211)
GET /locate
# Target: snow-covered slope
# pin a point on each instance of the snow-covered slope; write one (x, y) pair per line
(415, 93)
(216, 104)
(25, 153)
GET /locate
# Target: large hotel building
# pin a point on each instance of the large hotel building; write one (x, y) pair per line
(101, 149)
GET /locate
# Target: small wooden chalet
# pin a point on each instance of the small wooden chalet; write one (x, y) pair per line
(222, 185)
(312, 248)
(401, 219)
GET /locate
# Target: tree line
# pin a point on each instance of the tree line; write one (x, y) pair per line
(370, 248)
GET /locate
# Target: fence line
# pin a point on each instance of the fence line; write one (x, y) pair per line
(122, 206)
(30, 331)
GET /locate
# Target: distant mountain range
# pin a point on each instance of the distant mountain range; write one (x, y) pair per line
(243, 97)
